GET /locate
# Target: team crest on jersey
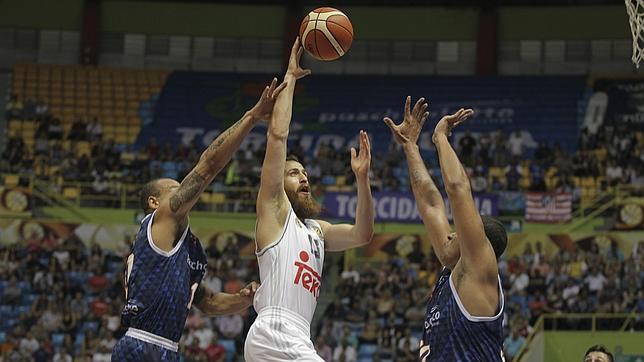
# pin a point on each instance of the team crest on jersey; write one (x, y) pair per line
(318, 231)
(306, 276)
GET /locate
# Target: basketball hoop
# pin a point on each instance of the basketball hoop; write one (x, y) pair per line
(635, 10)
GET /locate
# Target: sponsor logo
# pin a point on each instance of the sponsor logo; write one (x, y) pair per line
(197, 265)
(307, 276)
(131, 308)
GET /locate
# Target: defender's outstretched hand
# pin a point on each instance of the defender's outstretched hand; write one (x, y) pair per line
(448, 122)
(409, 130)
(360, 162)
(263, 110)
(248, 292)
(294, 68)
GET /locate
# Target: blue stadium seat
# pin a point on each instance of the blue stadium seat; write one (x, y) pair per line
(22, 309)
(3, 337)
(90, 326)
(25, 287)
(78, 342)
(29, 299)
(367, 351)
(57, 339)
(5, 311)
(115, 266)
(229, 346)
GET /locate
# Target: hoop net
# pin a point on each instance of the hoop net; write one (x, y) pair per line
(635, 10)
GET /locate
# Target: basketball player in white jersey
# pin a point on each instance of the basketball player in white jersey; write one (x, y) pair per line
(290, 243)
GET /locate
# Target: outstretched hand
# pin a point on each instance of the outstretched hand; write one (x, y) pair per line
(264, 107)
(360, 162)
(294, 68)
(248, 292)
(448, 122)
(409, 130)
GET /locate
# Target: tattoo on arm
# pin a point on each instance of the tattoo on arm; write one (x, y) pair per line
(188, 190)
(417, 177)
(217, 144)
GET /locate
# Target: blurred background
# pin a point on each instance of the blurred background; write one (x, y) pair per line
(100, 96)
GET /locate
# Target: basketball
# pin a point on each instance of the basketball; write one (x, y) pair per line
(326, 33)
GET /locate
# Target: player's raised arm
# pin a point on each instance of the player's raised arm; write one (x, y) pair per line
(344, 236)
(272, 202)
(171, 216)
(477, 255)
(429, 200)
(214, 304)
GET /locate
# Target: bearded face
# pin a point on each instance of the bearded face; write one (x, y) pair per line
(304, 205)
(298, 191)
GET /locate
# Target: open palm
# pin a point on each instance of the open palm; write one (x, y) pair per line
(409, 130)
(448, 122)
(264, 107)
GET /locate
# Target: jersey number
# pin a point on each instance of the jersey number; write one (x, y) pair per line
(315, 247)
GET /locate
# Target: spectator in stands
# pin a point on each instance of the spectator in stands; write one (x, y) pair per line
(230, 326)
(614, 173)
(55, 129)
(29, 344)
(41, 109)
(513, 343)
(62, 355)
(345, 352)
(13, 108)
(29, 110)
(12, 293)
(595, 281)
(44, 353)
(598, 353)
(408, 343)
(94, 130)
(516, 144)
(467, 144)
(323, 349)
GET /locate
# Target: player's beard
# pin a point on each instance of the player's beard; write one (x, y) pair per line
(304, 207)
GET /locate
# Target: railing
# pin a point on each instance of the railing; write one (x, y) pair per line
(242, 199)
(619, 322)
(123, 196)
(608, 199)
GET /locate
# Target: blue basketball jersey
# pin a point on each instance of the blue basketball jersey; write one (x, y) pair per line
(160, 285)
(452, 334)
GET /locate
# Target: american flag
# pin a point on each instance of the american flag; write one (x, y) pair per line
(548, 207)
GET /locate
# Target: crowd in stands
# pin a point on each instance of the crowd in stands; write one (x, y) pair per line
(61, 301)
(494, 160)
(379, 310)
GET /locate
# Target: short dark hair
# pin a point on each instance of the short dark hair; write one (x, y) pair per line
(292, 158)
(149, 189)
(495, 232)
(599, 348)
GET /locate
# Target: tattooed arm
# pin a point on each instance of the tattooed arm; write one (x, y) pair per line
(172, 215)
(428, 198)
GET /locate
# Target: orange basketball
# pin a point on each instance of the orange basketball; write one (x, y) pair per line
(326, 33)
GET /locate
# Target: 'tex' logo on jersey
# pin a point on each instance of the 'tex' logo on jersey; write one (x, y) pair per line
(306, 276)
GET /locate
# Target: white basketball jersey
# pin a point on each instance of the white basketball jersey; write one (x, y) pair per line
(290, 269)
